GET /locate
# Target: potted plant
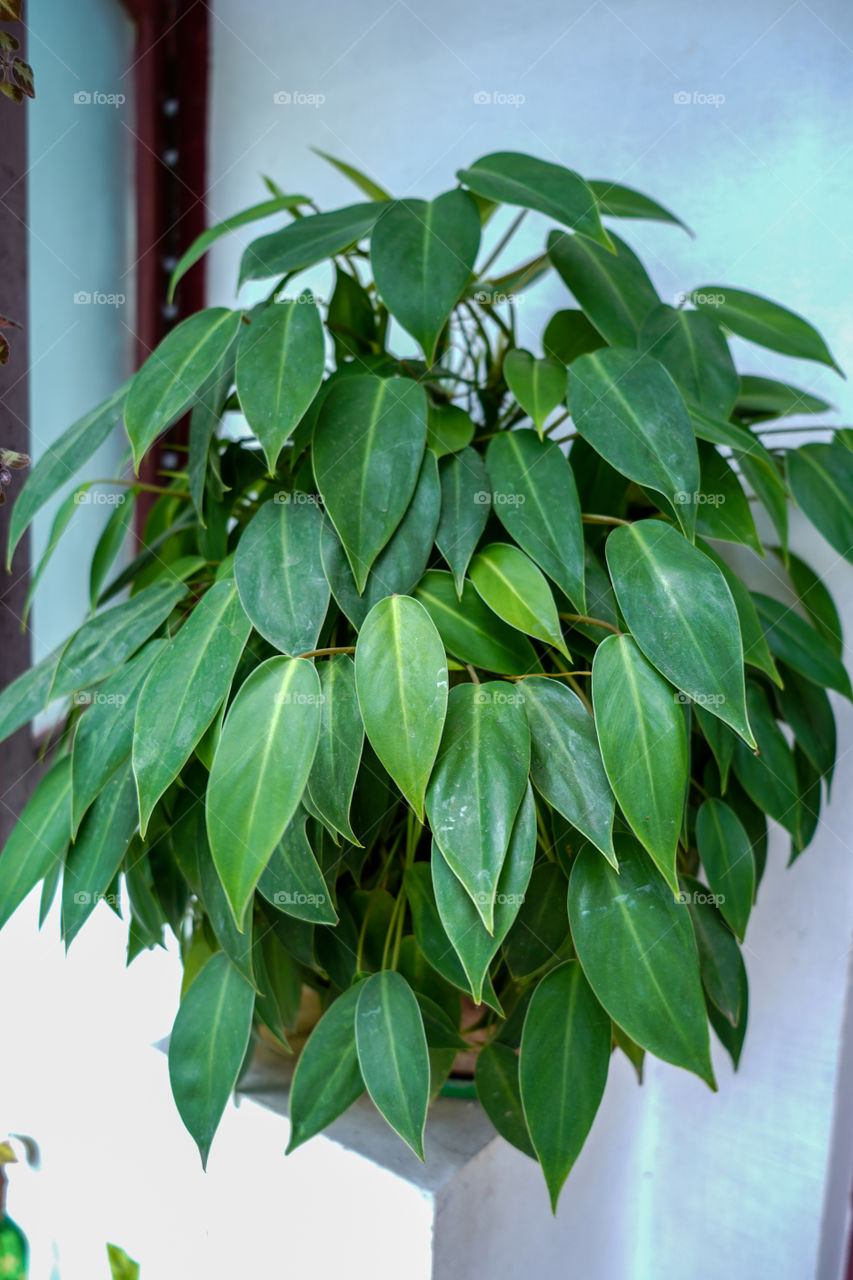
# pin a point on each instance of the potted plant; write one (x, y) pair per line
(430, 690)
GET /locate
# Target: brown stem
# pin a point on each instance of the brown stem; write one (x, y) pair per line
(592, 622)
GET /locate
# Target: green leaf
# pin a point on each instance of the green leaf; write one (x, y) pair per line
(723, 511)
(465, 501)
(540, 932)
(643, 740)
(260, 770)
(204, 419)
(202, 243)
(720, 739)
(474, 945)
(402, 683)
(95, 858)
(568, 334)
(732, 1038)
(478, 784)
(175, 371)
(281, 356)
(808, 711)
(719, 954)
(565, 1053)
(432, 941)
(762, 398)
(815, 599)
(368, 448)
(629, 409)
(769, 487)
(470, 631)
(536, 500)
(207, 1047)
(510, 584)
(327, 1079)
(755, 647)
(292, 880)
(365, 184)
(62, 461)
(111, 541)
(64, 515)
(38, 840)
(110, 638)
(121, 1266)
(392, 1054)
(692, 349)
(808, 803)
(616, 201)
(308, 240)
(793, 640)
(279, 573)
(449, 428)
(351, 319)
(26, 696)
(512, 178)
(682, 615)
(237, 946)
(565, 760)
(402, 560)
(726, 852)
(184, 691)
(537, 385)
(422, 254)
(638, 952)
(613, 289)
(768, 777)
(496, 1081)
(759, 320)
(331, 781)
(821, 480)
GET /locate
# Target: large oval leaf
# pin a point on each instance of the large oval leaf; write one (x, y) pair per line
(510, 177)
(691, 347)
(422, 254)
(259, 771)
(184, 691)
(280, 360)
(612, 288)
(636, 946)
(726, 853)
(760, 320)
(464, 510)
(538, 385)
(392, 1054)
(643, 740)
(207, 1047)
(38, 840)
(368, 447)
(510, 584)
(308, 240)
(469, 629)
(536, 500)
(682, 615)
(569, 334)
(477, 785)
(327, 1078)
(279, 573)
(331, 781)
(172, 375)
(565, 760)
(565, 1053)
(629, 409)
(94, 860)
(401, 678)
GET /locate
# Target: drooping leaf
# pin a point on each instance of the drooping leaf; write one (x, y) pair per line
(64, 515)
(260, 770)
(94, 860)
(402, 683)
(762, 398)
(110, 543)
(207, 1047)
(332, 778)
(308, 240)
(431, 940)
(511, 585)
(465, 500)
(720, 739)
(821, 480)
(279, 573)
(629, 409)
(512, 178)
(38, 840)
(722, 509)
(816, 601)
(756, 650)
(759, 320)
(368, 447)
(237, 946)
(768, 776)
(719, 954)
(613, 289)
(732, 1038)
(808, 803)
(691, 347)
(471, 631)
(808, 711)
(538, 385)
(496, 1081)
(28, 694)
(327, 1079)
(392, 1054)
(540, 932)
(203, 464)
(682, 615)
(793, 640)
(636, 945)
(616, 201)
(643, 740)
(565, 1053)
(292, 879)
(202, 243)
(350, 318)
(768, 487)
(726, 852)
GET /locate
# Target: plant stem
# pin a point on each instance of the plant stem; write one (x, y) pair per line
(592, 622)
(554, 425)
(502, 243)
(475, 679)
(596, 519)
(146, 488)
(321, 653)
(550, 675)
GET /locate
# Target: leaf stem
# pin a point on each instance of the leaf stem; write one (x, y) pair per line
(322, 653)
(589, 518)
(592, 622)
(502, 244)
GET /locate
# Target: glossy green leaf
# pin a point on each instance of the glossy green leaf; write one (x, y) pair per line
(478, 784)
(62, 461)
(112, 539)
(769, 487)
(613, 289)
(565, 760)
(332, 778)
(368, 448)
(565, 1053)
(691, 347)
(280, 361)
(511, 585)
(28, 694)
(95, 858)
(202, 243)
(207, 1047)
(172, 375)
(568, 334)
(535, 497)
(629, 409)
(308, 240)
(431, 940)
(793, 640)
(422, 254)
(351, 318)
(808, 711)
(540, 932)
(327, 1079)
(292, 879)
(474, 945)
(759, 320)
(726, 852)
(203, 465)
(821, 480)
(38, 840)
(815, 599)
(471, 632)
(616, 201)
(64, 515)
(722, 508)
(237, 946)
(808, 803)
(279, 573)
(402, 683)
(768, 776)
(260, 770)
(719, 954)
(755, 647)
(392, 1054)
(638, 952)
(512, 178)
(537, 385)
(449, 428)
(184, 691)
(720, 739)
(643, 740)
(365, 184)
(763, 398)
(465, 500)
(682, 615)
(732, 1038)
(496, 1081)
